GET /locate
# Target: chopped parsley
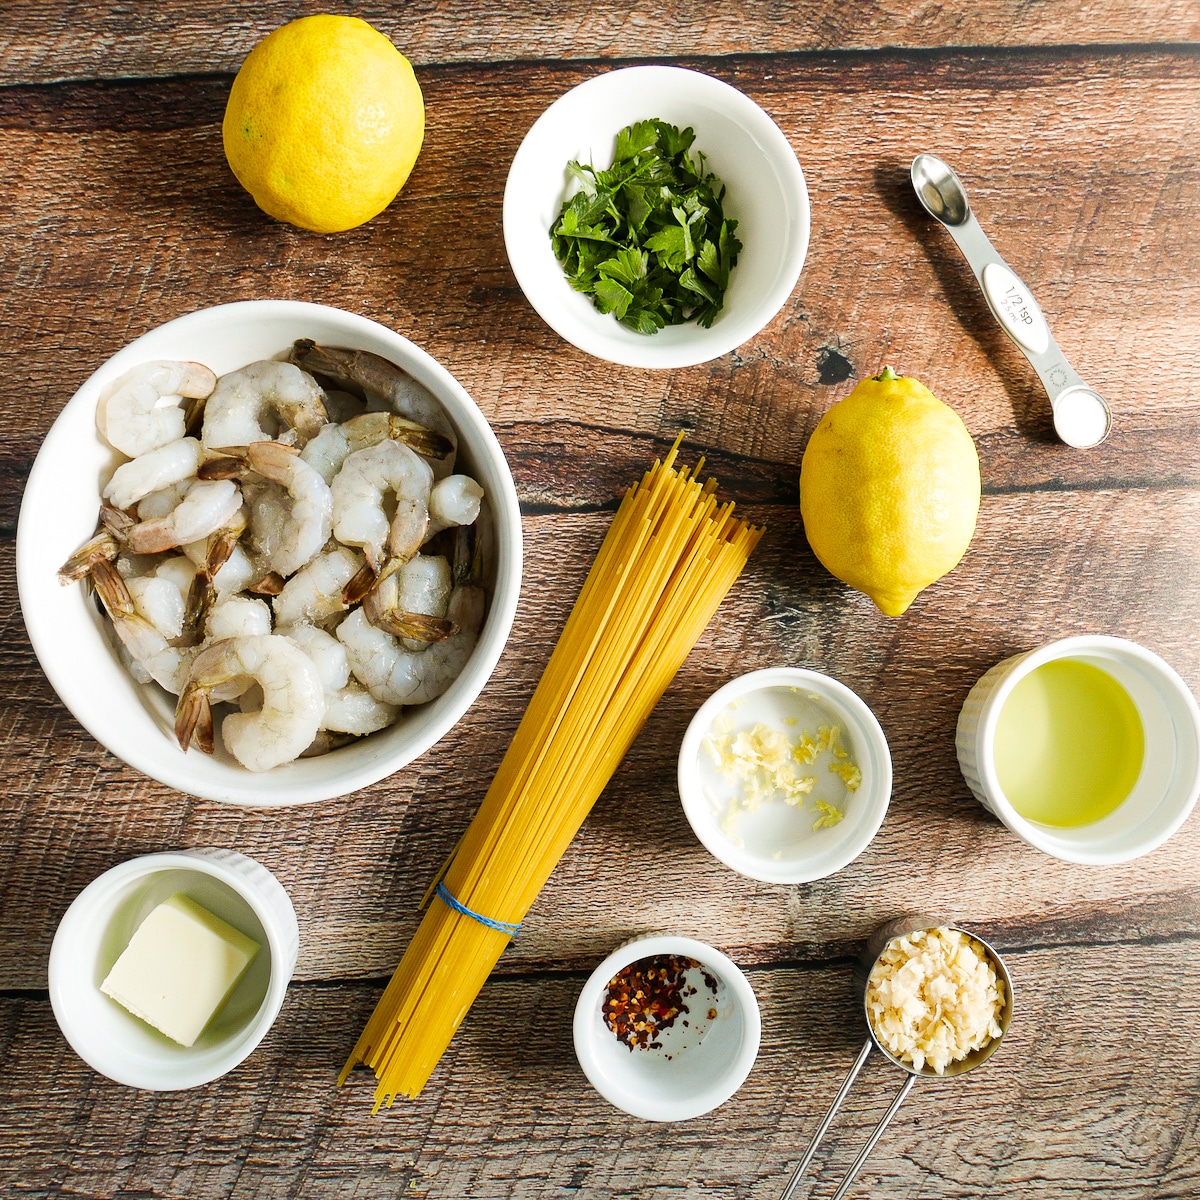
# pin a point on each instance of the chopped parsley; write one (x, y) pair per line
(647, 239)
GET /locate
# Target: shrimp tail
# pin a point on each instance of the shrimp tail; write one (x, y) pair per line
(468, 556)
(116, 520)
(111, 589)
(334, 364)
(101, 547)
(230, 465)
(271, 584)
(199, 601)
(194, 719)
(418, 626)
(361, 582)
(202, 593)
(193, 414)
(426, 442)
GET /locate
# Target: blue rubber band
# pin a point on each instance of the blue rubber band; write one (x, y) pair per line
(509, 927)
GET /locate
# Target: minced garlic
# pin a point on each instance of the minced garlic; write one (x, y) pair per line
(765, 764)
(933, 997)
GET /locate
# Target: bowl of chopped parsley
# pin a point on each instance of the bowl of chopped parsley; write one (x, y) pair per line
(656, 217)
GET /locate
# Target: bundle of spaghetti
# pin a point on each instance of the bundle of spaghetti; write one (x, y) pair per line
(667, 561)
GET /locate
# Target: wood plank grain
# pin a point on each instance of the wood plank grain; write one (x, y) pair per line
(357, 867)
(1083, 164)
(101, 39)
(1093, 136)
(509, 1116)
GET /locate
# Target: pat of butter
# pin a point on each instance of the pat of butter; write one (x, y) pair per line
(179, 968)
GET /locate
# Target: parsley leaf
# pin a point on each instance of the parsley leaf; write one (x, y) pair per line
(648, 238)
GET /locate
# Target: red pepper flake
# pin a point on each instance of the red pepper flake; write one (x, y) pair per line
(647, 997)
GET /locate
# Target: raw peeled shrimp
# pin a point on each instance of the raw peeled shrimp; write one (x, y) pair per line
(158, 600)
(207, 507)
(352, 709)
(291, 535)
(162, 502)
(151, 472)
(179, 569)
(359, 515)
(237, 616)
(314, 593)
(255, 403)
(293, 701)
(328, 450)
(412, 603)
(379, 379)
(349, 707)
(132, 416)
(151, 655)
(455, 500)
(399, 676)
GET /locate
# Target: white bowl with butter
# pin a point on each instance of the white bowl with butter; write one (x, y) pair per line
(105, 919)
(785, 775)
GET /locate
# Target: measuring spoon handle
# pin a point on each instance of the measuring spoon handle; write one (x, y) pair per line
(823, 1128)
(864, 1153)
(1081, 415)
(1015, 309)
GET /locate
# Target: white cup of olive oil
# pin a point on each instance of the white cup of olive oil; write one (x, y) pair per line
(1087, 748)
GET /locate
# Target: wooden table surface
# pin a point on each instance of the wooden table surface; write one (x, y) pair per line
(1077, 130)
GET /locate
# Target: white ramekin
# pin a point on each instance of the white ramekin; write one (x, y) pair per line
(98, 926)
(1167, 787)
(659, 1086)
(829, 850)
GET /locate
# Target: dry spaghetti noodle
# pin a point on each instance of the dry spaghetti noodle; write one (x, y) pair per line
(670, 556)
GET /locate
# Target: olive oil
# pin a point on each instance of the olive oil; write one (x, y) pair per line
(1069, 744)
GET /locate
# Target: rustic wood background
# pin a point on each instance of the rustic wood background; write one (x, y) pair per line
(1077, 129)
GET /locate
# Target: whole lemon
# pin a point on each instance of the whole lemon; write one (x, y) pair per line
(324, 123)
(889, 490)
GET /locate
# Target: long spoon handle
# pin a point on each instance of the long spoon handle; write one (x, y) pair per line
(1015, 309)
(823, 1128)
(863, 1154)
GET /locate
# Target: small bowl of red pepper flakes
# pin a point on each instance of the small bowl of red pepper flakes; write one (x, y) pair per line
(667, 1028)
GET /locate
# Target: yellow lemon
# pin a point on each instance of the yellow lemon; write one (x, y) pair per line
(889, 490)
(324, 122)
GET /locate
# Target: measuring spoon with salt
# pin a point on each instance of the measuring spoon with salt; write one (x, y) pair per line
(1082, 417)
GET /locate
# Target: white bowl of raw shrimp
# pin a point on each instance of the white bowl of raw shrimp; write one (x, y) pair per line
(136, 721)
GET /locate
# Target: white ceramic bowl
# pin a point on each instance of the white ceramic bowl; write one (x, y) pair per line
(742, 146)
(96, 929)
(699, 1065)
(58, 513)
(1167, 787)
(777, 842)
